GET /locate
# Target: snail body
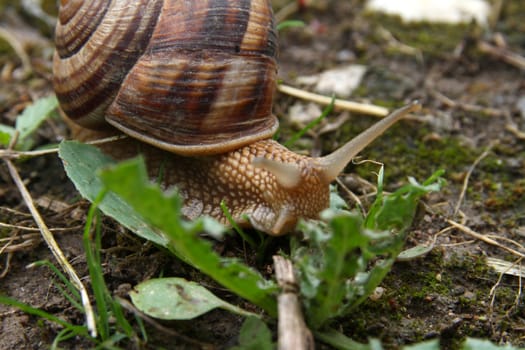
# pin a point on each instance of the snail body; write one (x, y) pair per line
(192, 83)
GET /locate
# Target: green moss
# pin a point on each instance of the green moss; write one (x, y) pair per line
(433, 39)
(409, 155)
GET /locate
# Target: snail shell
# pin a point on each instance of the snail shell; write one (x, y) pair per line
(194, 78)
(191, 77)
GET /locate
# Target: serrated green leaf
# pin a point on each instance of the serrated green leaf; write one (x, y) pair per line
(31, 118)
(348, 258)
(177, 299)
(81, 162)
(254, 335)
(129, 180)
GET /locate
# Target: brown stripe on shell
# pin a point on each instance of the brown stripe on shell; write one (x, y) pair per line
(68, 9)
(147, 109)
(187, 93)
(77, 24)
(86, 83)
(261, 36)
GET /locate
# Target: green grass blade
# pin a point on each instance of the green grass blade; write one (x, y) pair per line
(78, 330)
(95, 269)
(70, 287)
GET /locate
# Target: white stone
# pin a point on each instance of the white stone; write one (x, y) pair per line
(340, 81)
(448, 11)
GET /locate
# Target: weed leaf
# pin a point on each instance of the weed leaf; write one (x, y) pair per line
(177, 299)
(346, 259)
(254, 335)
(81, 162)
(31, 118)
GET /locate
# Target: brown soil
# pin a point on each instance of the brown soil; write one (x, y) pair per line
(470, 102)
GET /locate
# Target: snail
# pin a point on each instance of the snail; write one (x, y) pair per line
(192, 83)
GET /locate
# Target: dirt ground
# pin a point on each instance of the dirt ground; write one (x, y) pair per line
(471, 83)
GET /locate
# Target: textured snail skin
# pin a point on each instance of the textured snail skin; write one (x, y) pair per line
(254, 195)
(247, 191)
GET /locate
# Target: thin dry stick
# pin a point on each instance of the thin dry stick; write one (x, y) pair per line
(35, 229)
(12, 154)
(7, 264)
(492, 292)
(286, 11)
(53, 246)
(363, 108)
(17, 47)
(512, 128)
(469, 172)
(352, 195)
(11, 248)
(505, 54)
(484, 238)
(293, 332)
(511, 241)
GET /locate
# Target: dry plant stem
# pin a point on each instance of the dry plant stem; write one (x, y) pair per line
(469, 173)
(286, 11)
(512, 128)
(363, 108)
(7, 264)
(465, 106)
(293, 332)
(25, 228)
(506, 55)
(17, 47)
(12, 154)
(484, 238)
(55, 249)
(492, 293)
(352, 195)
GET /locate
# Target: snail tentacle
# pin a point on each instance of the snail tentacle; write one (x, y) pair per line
(333, 164)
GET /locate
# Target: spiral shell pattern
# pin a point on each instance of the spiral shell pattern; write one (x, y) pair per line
(191, 77)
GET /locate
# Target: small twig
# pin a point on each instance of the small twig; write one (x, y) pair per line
(484, 238)
(12, 154)
(512, 128)
(352, 195)
(12, 248)
(17, 47)
(447, 101)
(7, 263)
(36, 229)
(286, 11)
(53, 246)
(511, 241)
(506, 55)
(293, 332)
(469, 173)
(357, 107)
